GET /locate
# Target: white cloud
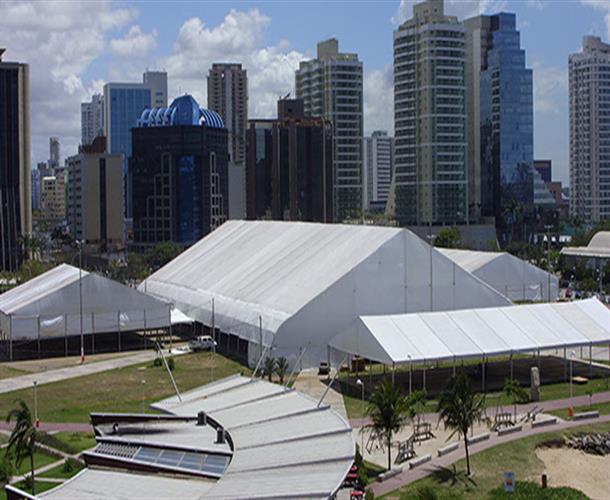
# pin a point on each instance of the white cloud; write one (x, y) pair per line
(135, 43)
(604, 6)
(463, 9)
(59, 40)
(379, 100)
(238, 38)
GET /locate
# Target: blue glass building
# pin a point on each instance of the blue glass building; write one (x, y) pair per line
(506, 128)
(179, 167)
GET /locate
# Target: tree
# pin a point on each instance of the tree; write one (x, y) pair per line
(281, 367)
(448, 237)
(459, 408)
(269, 367)
(22, 442)
(162, 253)
(513, 391)
(389, 411)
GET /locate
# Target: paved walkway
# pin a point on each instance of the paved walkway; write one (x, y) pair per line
(408, 476)
(308, 382)
(48, 377)
(6, 427)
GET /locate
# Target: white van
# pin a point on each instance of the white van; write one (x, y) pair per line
(202, 343)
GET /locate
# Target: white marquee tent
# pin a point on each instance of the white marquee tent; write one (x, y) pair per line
(405, 338)
(295, 284)
(49, 306)
(515, 278)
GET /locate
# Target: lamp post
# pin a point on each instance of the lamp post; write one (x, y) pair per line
(361, 384)
(79, 244)
(431, 237)
(572, 354)
(143, 384)
(410, 374)
(36, 421)
(548, 259)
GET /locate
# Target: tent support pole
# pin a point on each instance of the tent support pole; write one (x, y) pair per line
(393, 373)
(511, 366)
(410, 375)
(483, 374)
(10, 341)
(169, 310)
(145, 332)
(92, 333)
(424, 379)
(118, 324)
(260, 333)
(38, 335)
(66, 335)
(590, 360)
(538, 360)
(565, 364)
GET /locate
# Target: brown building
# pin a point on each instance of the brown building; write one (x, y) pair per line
(289, 167)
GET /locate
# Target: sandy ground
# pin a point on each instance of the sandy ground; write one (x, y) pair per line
(587, 473)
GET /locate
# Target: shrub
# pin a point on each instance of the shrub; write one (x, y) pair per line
(171, 364)
(71, 465)
(52, 442)
(7, 469)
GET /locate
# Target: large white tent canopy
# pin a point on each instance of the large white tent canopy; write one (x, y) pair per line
(405, 338)
(515, 278)
(49, 306)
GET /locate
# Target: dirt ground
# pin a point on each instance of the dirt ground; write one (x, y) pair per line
(587, 473)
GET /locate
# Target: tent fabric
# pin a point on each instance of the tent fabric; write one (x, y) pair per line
(515, 278)
(598, 247)
(493, 331)
(49, 306)
(294, 285)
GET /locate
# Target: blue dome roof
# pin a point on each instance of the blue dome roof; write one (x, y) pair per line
(184, 110)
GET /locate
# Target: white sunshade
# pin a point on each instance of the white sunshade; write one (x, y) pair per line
(476, 332)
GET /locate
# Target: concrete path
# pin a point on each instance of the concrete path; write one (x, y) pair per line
(48, 377)
(308, 382)
(6, 427)
(408, 476)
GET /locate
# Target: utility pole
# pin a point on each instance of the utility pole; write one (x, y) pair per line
(80, 293)
(548, 258)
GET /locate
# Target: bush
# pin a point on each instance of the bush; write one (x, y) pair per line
(369, 495)
(526, 490)
(170, 364)
(158, 361)
(51, 441)
(71, 465)
(7, 469)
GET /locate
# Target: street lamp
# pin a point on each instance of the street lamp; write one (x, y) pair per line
(572, 354)
(143, 384)
(361, 384)
(79, 244)
(548, 258)
(36, 421)
(431, 243)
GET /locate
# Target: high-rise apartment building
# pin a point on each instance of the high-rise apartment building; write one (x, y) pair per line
(378, 154)
(545, 169)
(179, 168)
(228, 96)
(500, 124)
(590, 131)
(430, 174)
(331, 88)
(289, 166)
(15, 169)
(53, 196)
(54, 152)
(94, 210)
(92, 119)
(156, 81)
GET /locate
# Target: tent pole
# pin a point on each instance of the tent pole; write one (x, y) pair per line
(424, 380)
(145, 333)
(565, 364)
(169, 310)
(511, 366)
(38, 334)
(410, 375)
(118, 320)
(538, 360)
(393, 373)
(10, 341)
(483, 374)
(92, 333)
(260, 333)
(590, 360)
(66, 335)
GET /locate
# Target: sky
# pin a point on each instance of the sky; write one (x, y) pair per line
(74, 48)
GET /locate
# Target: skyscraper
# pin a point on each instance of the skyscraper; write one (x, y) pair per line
(590, 131)
(378, 154)
(15, 175)
(54, 152)
(289, 166)
(331, 88)
(92, 119)
(430, 175)
(228, 96)
(500, 125)
(179, 168)
(156, 81)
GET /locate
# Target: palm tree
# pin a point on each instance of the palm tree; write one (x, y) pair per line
(281, 367)
(513, 391)
(459, 408)
(268, 367)
(389, 411)
(23, 437)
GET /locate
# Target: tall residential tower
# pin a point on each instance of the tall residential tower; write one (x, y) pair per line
(92, 119)
(378, 154)
(331, 87)
(590, 131)
(430, 118)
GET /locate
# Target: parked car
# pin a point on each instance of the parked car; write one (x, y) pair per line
(202, 343)
(324, 368)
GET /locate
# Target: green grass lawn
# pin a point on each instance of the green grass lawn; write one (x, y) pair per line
(8, 372)
(120, 390)
(60, 472)
(603, 408)
(3, 438)
(40, 487)
(77, 441)
(488, 467)
(40, 459)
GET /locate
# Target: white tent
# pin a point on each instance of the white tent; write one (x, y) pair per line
(404, 338)
(296, 284)
(515, 278)
(49, 306)
(598, 247)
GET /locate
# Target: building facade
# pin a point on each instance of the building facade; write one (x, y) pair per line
(289, 166)
(94, 210)
(228, 96)
(92, 119)
(430, 174)
(590, 131)
(378, 155)
(545, 169)
(156, 81)
(331, 88)
(179, 167)
(54, 152)
(53, 196)
(15, 168)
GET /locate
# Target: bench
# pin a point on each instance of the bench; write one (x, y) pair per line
(388, 474)
(543, 422)
(585, 414)
(447, 449)
(509, 430)
(479, 437)
(416, 462)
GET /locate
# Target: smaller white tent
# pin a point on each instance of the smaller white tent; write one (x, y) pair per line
(513, 277)
(50, 306)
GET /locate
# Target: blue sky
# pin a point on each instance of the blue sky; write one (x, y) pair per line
(73, 48)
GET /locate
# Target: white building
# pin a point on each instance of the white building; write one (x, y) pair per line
(590, 131)
(295, 285)
(53, 196)
(156, 81)
(378, 154)
(92, 119)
